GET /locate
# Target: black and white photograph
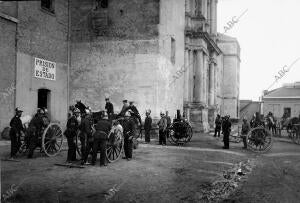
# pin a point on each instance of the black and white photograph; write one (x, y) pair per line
(150, 101)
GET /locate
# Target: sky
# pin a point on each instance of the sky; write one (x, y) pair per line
(269, 36)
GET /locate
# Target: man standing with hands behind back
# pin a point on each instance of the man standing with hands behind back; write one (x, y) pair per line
(147, 126)
(100, 138)
(15, 132)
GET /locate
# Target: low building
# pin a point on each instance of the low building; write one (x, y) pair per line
(285, 99)
(33, 58)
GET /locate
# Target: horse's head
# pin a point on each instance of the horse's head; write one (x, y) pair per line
(80, 106)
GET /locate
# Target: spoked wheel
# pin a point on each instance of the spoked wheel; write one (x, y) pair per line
(23, 144)
(259, 140)
(171, 136)
(180, 133)
(52, 139)
(114, 147)
(78, 144)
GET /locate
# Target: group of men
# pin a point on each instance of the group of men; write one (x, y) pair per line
(223, 124)
(94, 138)
(33, 134)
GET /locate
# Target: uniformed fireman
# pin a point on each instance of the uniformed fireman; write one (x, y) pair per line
(100, 139)
(35, 130)
(70, 133)
(129, 127)
(15, 132)
(226, 129)
(86, 138)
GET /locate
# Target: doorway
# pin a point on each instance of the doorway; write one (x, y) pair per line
(44, 98)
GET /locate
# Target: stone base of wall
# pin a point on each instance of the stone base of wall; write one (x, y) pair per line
(198, 116)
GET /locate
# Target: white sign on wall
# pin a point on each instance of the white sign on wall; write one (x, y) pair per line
(44, 69)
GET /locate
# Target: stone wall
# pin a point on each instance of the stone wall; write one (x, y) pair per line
(44, 35)
(7, 70)
(39, 34)
(231, 71)
(130, 59)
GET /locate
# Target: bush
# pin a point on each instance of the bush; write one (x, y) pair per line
(5, 133)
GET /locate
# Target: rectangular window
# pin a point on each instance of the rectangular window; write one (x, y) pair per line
(48, 5)
(287, 112)
(173, 50)
(198, 7)
(104, 3)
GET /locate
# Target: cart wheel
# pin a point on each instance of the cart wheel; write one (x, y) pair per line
(78, 144)
(114, 147)
(23, 144)
(52, 139)
(259, 140)
(171, 137)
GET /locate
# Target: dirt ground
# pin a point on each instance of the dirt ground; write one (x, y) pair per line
(156, 174)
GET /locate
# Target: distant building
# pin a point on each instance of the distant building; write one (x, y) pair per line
(248, 108)
(285, 99)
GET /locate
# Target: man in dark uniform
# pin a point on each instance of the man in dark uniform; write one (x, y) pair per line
(14, 133)
(168, 123)
(70, 133)
(147, 126)
(100, 138)
(124, 108)
(129, 132)
(135, 113)
(245, 130)
(162, 127)
(226, 129)
(35, 129)
(218, 123)
(86, 138)
(109, 108)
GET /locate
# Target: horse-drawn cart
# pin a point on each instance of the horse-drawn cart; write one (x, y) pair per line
(259, 139)
(114, 148)
(115, 144)
(50, 140)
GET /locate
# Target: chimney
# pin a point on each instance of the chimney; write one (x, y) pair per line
(265, 92)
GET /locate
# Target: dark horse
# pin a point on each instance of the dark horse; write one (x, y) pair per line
(289, 123)
(95, 115)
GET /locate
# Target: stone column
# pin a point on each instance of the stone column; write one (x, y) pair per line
(208, 14)
(213, 19)
(211, 84)
(198, 77)
(205, 76)
(193, 7)
(186, 75)
(204, 8)
(190, 70)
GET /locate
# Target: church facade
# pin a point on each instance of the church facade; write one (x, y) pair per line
(162, 54)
